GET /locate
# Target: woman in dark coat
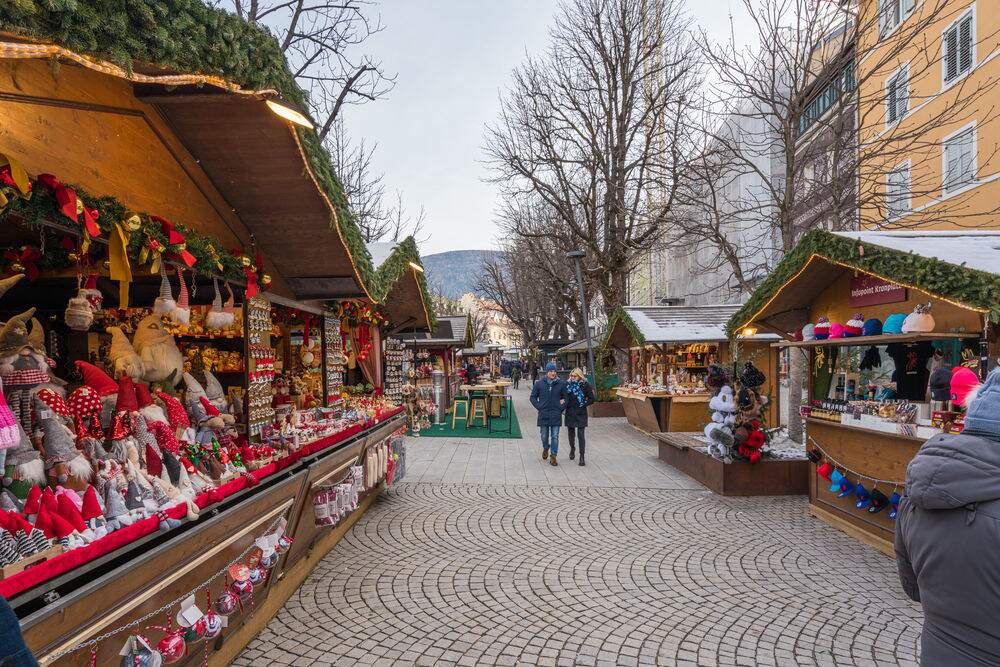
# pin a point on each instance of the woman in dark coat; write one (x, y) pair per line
(579, 395)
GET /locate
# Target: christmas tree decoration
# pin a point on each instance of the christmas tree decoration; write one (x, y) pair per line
(79, 314)
(172, 646)
(227, 602)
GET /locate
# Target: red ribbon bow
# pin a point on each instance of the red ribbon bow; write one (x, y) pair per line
(67, 200)
(27, 256)
(174, 238)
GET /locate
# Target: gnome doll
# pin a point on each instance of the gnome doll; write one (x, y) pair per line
(24, 365)
(10, 435)
(122, 443)
(93, 513)
(149, 409)
(122, 356)
(205, 416)
(217, 396)
(161, 359)
(182, 313)
(164, 303)
(64, 463)
(25, 467)
(217, 317)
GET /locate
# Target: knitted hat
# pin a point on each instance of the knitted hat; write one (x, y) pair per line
(846, 488)
(752, 376)
(864, 497)
(822, 328)
(879, 501)
(210, 409)
(172, 466)
(164, 435)
(57, 440)
(127, 401)
(809, 332)
(940, 384)
(836, 477)
(854, 326)
(54, 402)
(91, 505)
(164, 304)
(32, 504)
(217, 318)
(920, 320)
(983, 415)
(182, 313)
(97, 379)
(894, 324)
(836, 330)
(142, 396)
(69, 511)
(14, 334)
(963, 383)
(175, 410)
(872, 327)
(550, 367)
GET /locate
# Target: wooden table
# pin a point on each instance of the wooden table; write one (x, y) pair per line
(662, 412)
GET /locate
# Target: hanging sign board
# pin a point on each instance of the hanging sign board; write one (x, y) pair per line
(870, 291)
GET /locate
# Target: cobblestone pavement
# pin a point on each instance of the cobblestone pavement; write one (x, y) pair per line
(460, 566)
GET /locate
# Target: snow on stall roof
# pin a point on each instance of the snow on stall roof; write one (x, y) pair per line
(685, 324)
(978, 250)
(380, 251)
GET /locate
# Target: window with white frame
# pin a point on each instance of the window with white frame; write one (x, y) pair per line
(897, 95)
(959, 160)
(958, 48)
(897, 192)
(893, 12)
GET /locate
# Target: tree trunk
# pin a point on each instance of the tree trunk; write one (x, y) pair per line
(798, 368)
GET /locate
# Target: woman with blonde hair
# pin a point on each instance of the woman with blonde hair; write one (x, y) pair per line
(580, 394)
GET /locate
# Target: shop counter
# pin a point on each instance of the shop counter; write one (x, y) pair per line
(126, 585)
(881, 455)
(662, 412)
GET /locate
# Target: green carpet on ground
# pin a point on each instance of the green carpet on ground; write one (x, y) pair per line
(499, 429)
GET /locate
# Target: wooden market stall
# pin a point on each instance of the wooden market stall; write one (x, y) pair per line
(670, 349)
(871, 406)
(114, 172)
(426, 353)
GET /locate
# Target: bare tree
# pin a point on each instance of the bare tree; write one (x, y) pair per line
(588, 130)
(323, 41)
(363, 188)
(778, 150)
(401, 224)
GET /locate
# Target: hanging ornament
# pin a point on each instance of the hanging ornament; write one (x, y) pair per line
(217, 318)
(213, 622)
(283, 544)
(258, 576)
(92, 294)
(269, 560)
(137, 652)
(227, 603)
(242, 589)
(172, 646)
(79, 314)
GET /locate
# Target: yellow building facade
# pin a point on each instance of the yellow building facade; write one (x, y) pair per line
(928, 103)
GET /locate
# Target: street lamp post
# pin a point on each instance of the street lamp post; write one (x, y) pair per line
(577, 256)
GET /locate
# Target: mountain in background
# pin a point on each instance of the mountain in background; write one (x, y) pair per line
(455, 272)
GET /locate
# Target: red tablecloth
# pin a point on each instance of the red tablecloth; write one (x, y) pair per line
(69, 560)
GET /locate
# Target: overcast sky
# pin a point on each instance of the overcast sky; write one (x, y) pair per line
(453, 58)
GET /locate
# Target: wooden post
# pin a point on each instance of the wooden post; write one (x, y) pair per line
(631, 365)
(663, 362)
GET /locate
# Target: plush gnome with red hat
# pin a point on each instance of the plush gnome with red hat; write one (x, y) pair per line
(161, 359)
(147, 406)
(64, 463)
(93, 513)
(86, 405)
(206, 417)
(122, 443)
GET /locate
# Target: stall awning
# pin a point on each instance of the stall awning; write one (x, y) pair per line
(577, 346)
(633, 326)
(400, 286)
(256, 159)
(451, 331)
(960, 267)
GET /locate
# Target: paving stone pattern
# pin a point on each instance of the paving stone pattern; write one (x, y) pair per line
(485, 555)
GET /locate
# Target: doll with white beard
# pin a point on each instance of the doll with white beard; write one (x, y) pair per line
(161, 358)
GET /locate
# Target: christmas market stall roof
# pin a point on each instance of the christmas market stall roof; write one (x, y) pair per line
(400, 285)
(959, 266)
(478, 350)
(203, 87)
(577, 346)
(450, 331)
(633, 326)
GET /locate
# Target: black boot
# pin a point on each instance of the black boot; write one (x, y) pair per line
(572, 452)
(582, 451)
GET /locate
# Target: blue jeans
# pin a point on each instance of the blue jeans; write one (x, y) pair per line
(550, 438)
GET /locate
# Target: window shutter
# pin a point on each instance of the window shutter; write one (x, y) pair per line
(965, 44)
(951, 54)
(890, 101)
(967, 165)
(902, 92)
(883, 17)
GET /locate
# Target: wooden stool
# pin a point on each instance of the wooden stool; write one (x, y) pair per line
(463, 402)
(478, 411)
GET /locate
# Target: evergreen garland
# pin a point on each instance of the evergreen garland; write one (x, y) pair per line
(944, 279)
(395, 266)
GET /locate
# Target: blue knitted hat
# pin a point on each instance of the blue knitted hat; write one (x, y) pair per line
(983, 415)
(894, 323)
(550, 367)
(872, 327)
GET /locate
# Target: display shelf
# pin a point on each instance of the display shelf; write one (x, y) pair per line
(856, 341)
(861, 429)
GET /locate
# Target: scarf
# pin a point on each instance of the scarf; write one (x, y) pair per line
(577, 390)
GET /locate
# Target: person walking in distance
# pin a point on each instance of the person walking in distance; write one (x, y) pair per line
(948, 537)
(579, 394)
(548, 396)
(515, 374)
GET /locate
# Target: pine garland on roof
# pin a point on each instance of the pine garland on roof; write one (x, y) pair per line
(394, 267)
(952, 281)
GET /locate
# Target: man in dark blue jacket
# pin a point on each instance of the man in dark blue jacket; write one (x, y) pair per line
(548, 395)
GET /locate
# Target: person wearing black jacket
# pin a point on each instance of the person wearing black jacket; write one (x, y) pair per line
(579, 394)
